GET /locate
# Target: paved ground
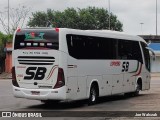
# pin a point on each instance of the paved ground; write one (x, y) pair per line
(146, 101)
(5, 75)
(155, 74)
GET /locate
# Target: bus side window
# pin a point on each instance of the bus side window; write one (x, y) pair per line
(129, 50)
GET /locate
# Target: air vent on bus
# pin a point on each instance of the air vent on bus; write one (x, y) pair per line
(36, 60)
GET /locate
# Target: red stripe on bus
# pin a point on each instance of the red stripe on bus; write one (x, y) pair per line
(51, 72)
(139, 72)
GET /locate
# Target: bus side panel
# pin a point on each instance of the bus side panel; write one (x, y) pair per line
(148, 78)
(107, 82)
(76, 82)
(82, 87)
(142, 76)
(89, 71)
(128, 83)
(117, 83)
(145, 75)
(71, 81)
(129, 77)
(71, 88)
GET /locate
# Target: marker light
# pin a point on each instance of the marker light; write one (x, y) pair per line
(57, 29)
(18, 29)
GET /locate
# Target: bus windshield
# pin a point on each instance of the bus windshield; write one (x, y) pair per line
(37, 39)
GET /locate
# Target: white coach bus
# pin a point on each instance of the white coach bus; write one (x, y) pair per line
(67, 64)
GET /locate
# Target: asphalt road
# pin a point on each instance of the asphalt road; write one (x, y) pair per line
(146, 101)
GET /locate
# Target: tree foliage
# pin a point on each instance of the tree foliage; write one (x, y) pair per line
(3, 40)
(86, 18)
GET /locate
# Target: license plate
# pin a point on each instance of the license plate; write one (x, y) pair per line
(35, 92)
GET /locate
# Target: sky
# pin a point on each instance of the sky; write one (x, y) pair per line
(130, 12)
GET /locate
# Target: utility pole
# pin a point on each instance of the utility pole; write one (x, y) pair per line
(109, 14)
(156, 17)
(8, 17)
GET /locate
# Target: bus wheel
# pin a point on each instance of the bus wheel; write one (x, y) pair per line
(93, 95)
(138, 88)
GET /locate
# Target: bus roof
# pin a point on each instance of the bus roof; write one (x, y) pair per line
(99, 33)
(106, 33)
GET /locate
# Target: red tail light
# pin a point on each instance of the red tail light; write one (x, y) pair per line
(60, 79)
(57, 29)
(18, 29)
(14, 81)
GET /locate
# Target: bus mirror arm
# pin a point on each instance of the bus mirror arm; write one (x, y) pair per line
(153, 53)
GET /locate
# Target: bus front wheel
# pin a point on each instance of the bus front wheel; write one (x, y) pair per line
(138, 88)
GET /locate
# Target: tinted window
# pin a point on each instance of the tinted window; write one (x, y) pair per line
(36, 39)
(90, 47)
(130, 50)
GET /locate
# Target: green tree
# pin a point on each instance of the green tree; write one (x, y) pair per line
(3, 39)
(86, 18)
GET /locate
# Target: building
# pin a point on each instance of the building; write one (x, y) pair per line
(8, 60)
(155, 64)
(151, 38)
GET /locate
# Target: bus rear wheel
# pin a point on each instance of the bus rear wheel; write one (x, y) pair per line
(93, 97)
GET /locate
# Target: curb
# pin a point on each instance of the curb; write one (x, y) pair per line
(5, 78)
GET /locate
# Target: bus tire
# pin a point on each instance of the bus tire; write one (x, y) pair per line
(93, 96)
(138, 88)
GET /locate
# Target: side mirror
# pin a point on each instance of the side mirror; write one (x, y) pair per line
(153, 54)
